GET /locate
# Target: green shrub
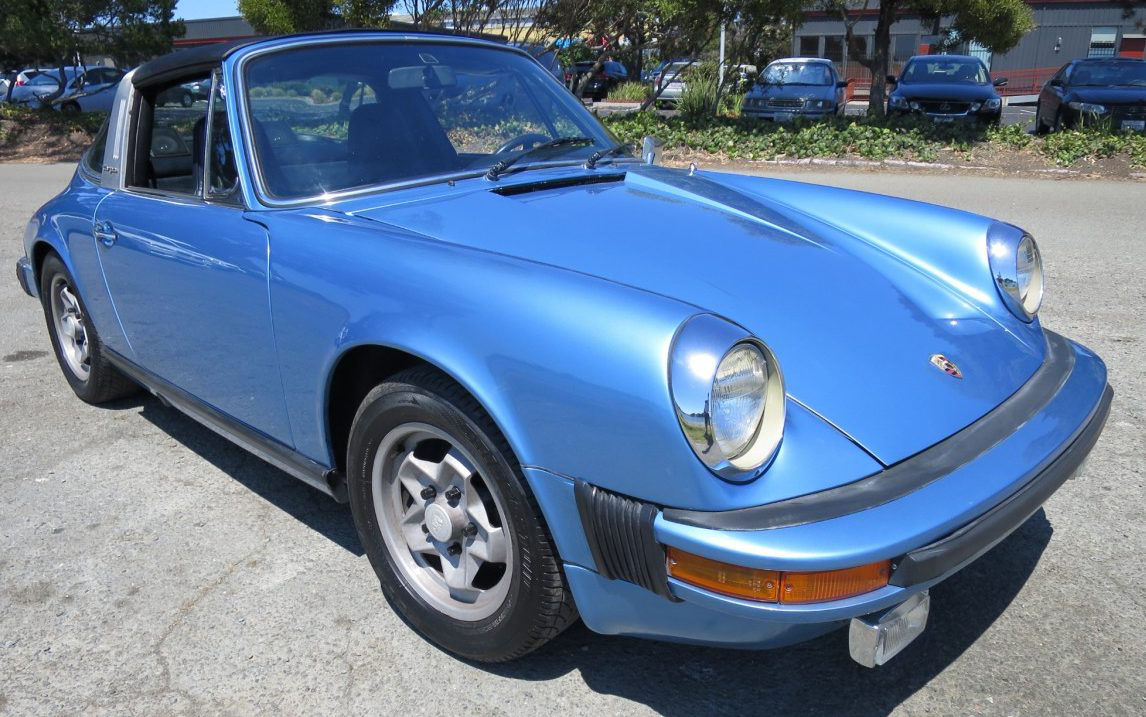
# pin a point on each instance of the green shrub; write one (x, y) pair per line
(701, 83)
(629, 92)
(317, 96)
(871, 138)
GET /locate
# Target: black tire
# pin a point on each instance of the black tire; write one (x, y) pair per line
(104, 381)
(538, 605)
(1040, 128)
(186, 99)
(70, 108)
(1059, 122)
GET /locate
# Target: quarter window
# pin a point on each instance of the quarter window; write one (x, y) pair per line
(93, 160)
(222, 174)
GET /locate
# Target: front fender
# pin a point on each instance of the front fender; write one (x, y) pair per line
(572, 368)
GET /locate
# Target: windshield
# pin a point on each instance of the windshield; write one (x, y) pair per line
(939, 70)
(1110, 74)
(335, 117)
(797, 73)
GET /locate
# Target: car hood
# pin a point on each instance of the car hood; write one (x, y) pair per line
(1109, 95)
(793, 92)
(945, 91)
(852, 322)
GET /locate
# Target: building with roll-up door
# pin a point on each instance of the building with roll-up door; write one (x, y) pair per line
(1064, 30)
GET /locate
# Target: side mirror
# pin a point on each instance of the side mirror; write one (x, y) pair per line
(1056, 82)
(843, 83)
(1000, 82)
(892, 80)
(649, 149)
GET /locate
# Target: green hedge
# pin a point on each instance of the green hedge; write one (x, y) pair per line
(877, 138)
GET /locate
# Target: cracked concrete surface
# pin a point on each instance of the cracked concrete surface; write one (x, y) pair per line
(149, 567)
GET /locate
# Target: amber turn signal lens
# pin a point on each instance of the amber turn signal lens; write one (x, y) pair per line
(833, 585)
(732, 580)
(774, 586)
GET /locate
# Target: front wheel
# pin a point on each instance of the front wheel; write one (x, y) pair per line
(448, 522)
(186, 99)
(74, 339)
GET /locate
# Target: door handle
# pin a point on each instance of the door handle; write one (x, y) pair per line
(105, 233)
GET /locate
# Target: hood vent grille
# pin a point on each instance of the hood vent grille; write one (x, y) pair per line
(547, 184)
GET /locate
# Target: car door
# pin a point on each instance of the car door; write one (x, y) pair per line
(1050, 99)
(185, 267)
(98, 89)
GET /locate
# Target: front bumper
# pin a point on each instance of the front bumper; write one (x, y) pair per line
(930, 515)
(25, 274)
(782, 115)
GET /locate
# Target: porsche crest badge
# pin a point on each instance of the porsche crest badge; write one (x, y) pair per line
(946, 365)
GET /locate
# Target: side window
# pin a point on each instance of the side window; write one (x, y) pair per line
(170, 138)
(93, 160)
(222, 175)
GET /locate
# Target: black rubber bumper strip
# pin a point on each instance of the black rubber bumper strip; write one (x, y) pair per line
(909, 475)
(983, 533)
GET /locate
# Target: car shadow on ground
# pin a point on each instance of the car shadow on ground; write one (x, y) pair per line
(309, 506)
(817, 677)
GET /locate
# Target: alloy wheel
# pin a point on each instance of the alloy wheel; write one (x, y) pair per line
(444, 525)
(71, 329)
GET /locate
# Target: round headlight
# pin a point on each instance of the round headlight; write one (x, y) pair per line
(1029, 268)
(729, 401)
(738, 396)
(1017, 268)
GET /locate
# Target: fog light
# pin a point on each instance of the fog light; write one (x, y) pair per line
(774, 586)
(876, 638)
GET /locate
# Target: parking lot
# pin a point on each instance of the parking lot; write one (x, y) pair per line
(148, 566)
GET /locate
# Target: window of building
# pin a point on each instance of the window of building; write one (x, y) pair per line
(902, 47)
(810, 46)
(1102, 41)
(834, 48)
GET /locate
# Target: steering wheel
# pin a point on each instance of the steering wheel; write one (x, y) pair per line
(525, 141)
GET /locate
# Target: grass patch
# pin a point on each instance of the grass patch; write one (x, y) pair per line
(629, 92)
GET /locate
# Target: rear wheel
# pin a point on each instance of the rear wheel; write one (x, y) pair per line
(70, 108)
(186, 99)
(448, 523)
(74, 338)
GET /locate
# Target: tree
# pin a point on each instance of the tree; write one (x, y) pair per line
(61, 32)
(282, 17)
(998, 25)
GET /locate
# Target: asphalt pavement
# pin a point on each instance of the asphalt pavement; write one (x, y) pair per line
(148, 566)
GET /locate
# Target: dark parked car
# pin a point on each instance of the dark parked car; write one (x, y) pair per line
(796, 87)
(608, 76)
(1109, 89)
(946, 88)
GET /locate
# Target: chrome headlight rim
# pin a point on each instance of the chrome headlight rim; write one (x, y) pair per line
(1006, 245)
(700, 346)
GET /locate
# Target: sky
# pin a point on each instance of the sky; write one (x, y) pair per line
(195, 9)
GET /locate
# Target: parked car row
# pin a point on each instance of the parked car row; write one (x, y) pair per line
(86, 89)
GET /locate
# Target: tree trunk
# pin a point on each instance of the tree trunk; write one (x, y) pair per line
(881, 59)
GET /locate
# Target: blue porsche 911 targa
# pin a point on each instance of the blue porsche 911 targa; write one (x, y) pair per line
(736, 411)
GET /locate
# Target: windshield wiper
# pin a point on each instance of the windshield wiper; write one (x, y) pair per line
(497, 169)
(600, 154)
